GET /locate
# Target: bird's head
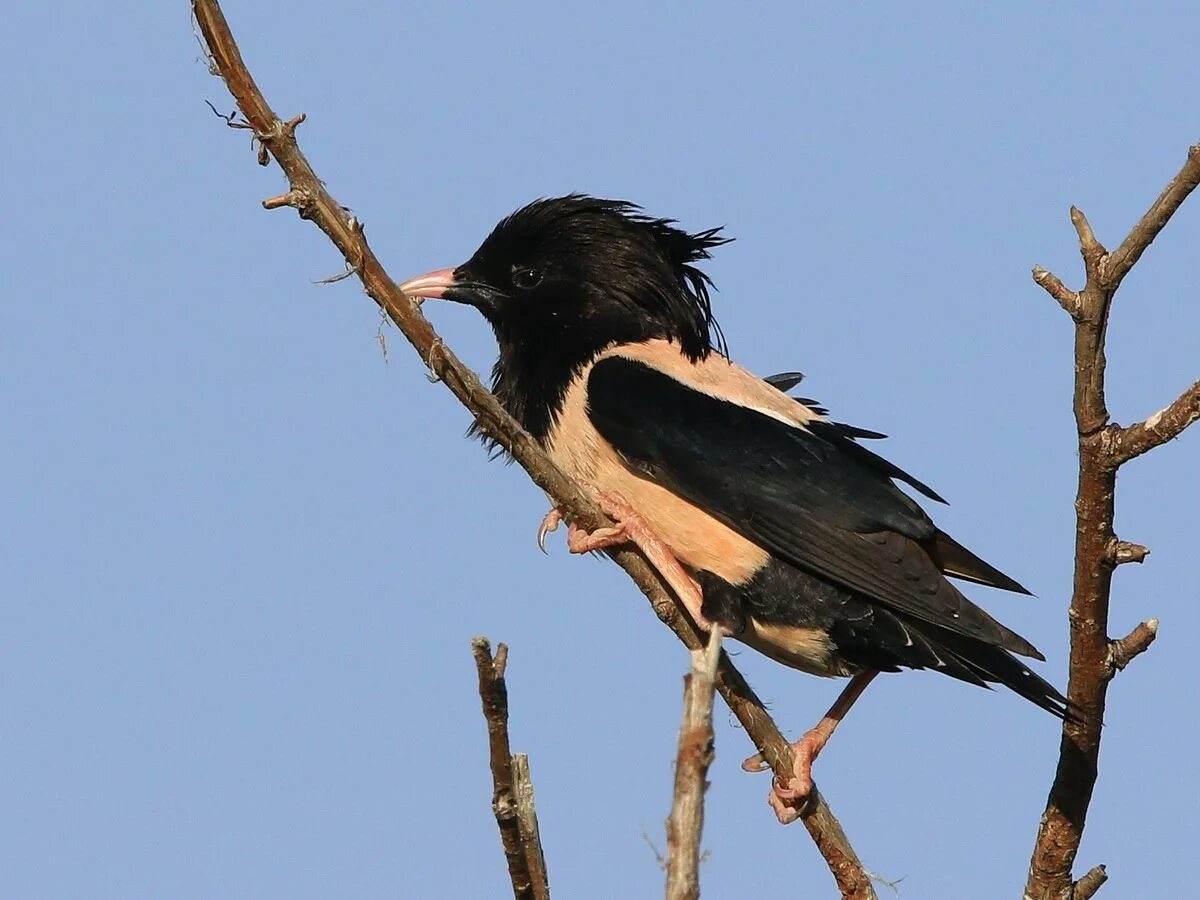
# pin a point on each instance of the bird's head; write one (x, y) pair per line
(568, 276)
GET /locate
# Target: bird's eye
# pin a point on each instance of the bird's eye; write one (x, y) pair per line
(525, 277)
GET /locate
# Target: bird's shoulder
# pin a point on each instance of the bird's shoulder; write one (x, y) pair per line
(714, 375)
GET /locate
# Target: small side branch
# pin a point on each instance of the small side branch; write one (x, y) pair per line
(1090, 247)
(1121, 260)
(695, 754)
(1123, 651)
(512, 791)
(291, 198)
(1165, 425)
(1085, 888)
(1052, 284)
(1121, 552)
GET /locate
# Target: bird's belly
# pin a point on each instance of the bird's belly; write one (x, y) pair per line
(807, 649)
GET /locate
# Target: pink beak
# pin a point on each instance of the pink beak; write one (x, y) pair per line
(432, 285)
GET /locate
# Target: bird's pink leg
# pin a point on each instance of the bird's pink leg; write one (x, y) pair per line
(787, 799)
(631, 528)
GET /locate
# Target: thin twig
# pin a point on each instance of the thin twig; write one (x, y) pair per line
(494, 422)
(230, 119)
(695, 754)
(1103, 447)
(522, 841)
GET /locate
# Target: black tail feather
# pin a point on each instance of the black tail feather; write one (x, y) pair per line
(995, 664)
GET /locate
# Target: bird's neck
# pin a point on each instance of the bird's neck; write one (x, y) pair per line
(532, 386)
(540, 358)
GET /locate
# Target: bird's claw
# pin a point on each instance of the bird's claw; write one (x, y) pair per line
(578, 540)
(550, 522)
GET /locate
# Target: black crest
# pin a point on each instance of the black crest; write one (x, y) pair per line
(645, 263)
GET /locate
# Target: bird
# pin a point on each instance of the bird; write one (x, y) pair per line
(766, 518)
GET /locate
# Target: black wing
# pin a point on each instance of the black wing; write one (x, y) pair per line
(951, 557)
(810, 496)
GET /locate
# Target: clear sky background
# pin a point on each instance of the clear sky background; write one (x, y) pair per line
(242, 556)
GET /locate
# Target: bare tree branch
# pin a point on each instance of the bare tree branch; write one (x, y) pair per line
(531, 836)
(1165, 425)
(1121, 260)
(1067, 298)
(695, 754)
(512, 792)
(346, 232)
(1103, 447)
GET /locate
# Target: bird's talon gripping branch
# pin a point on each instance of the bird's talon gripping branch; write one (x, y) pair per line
(550, 523)
(787, 799)
(785, 812)
(579, 540)
(805, 751)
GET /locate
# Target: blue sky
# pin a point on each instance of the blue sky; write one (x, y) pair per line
(242, 556)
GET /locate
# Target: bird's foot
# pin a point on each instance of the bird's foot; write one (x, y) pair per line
(579, 540)
(630, 527)
(787, 799)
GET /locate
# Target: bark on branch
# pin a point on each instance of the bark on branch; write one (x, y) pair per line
(1103, 448)
(314, 202)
